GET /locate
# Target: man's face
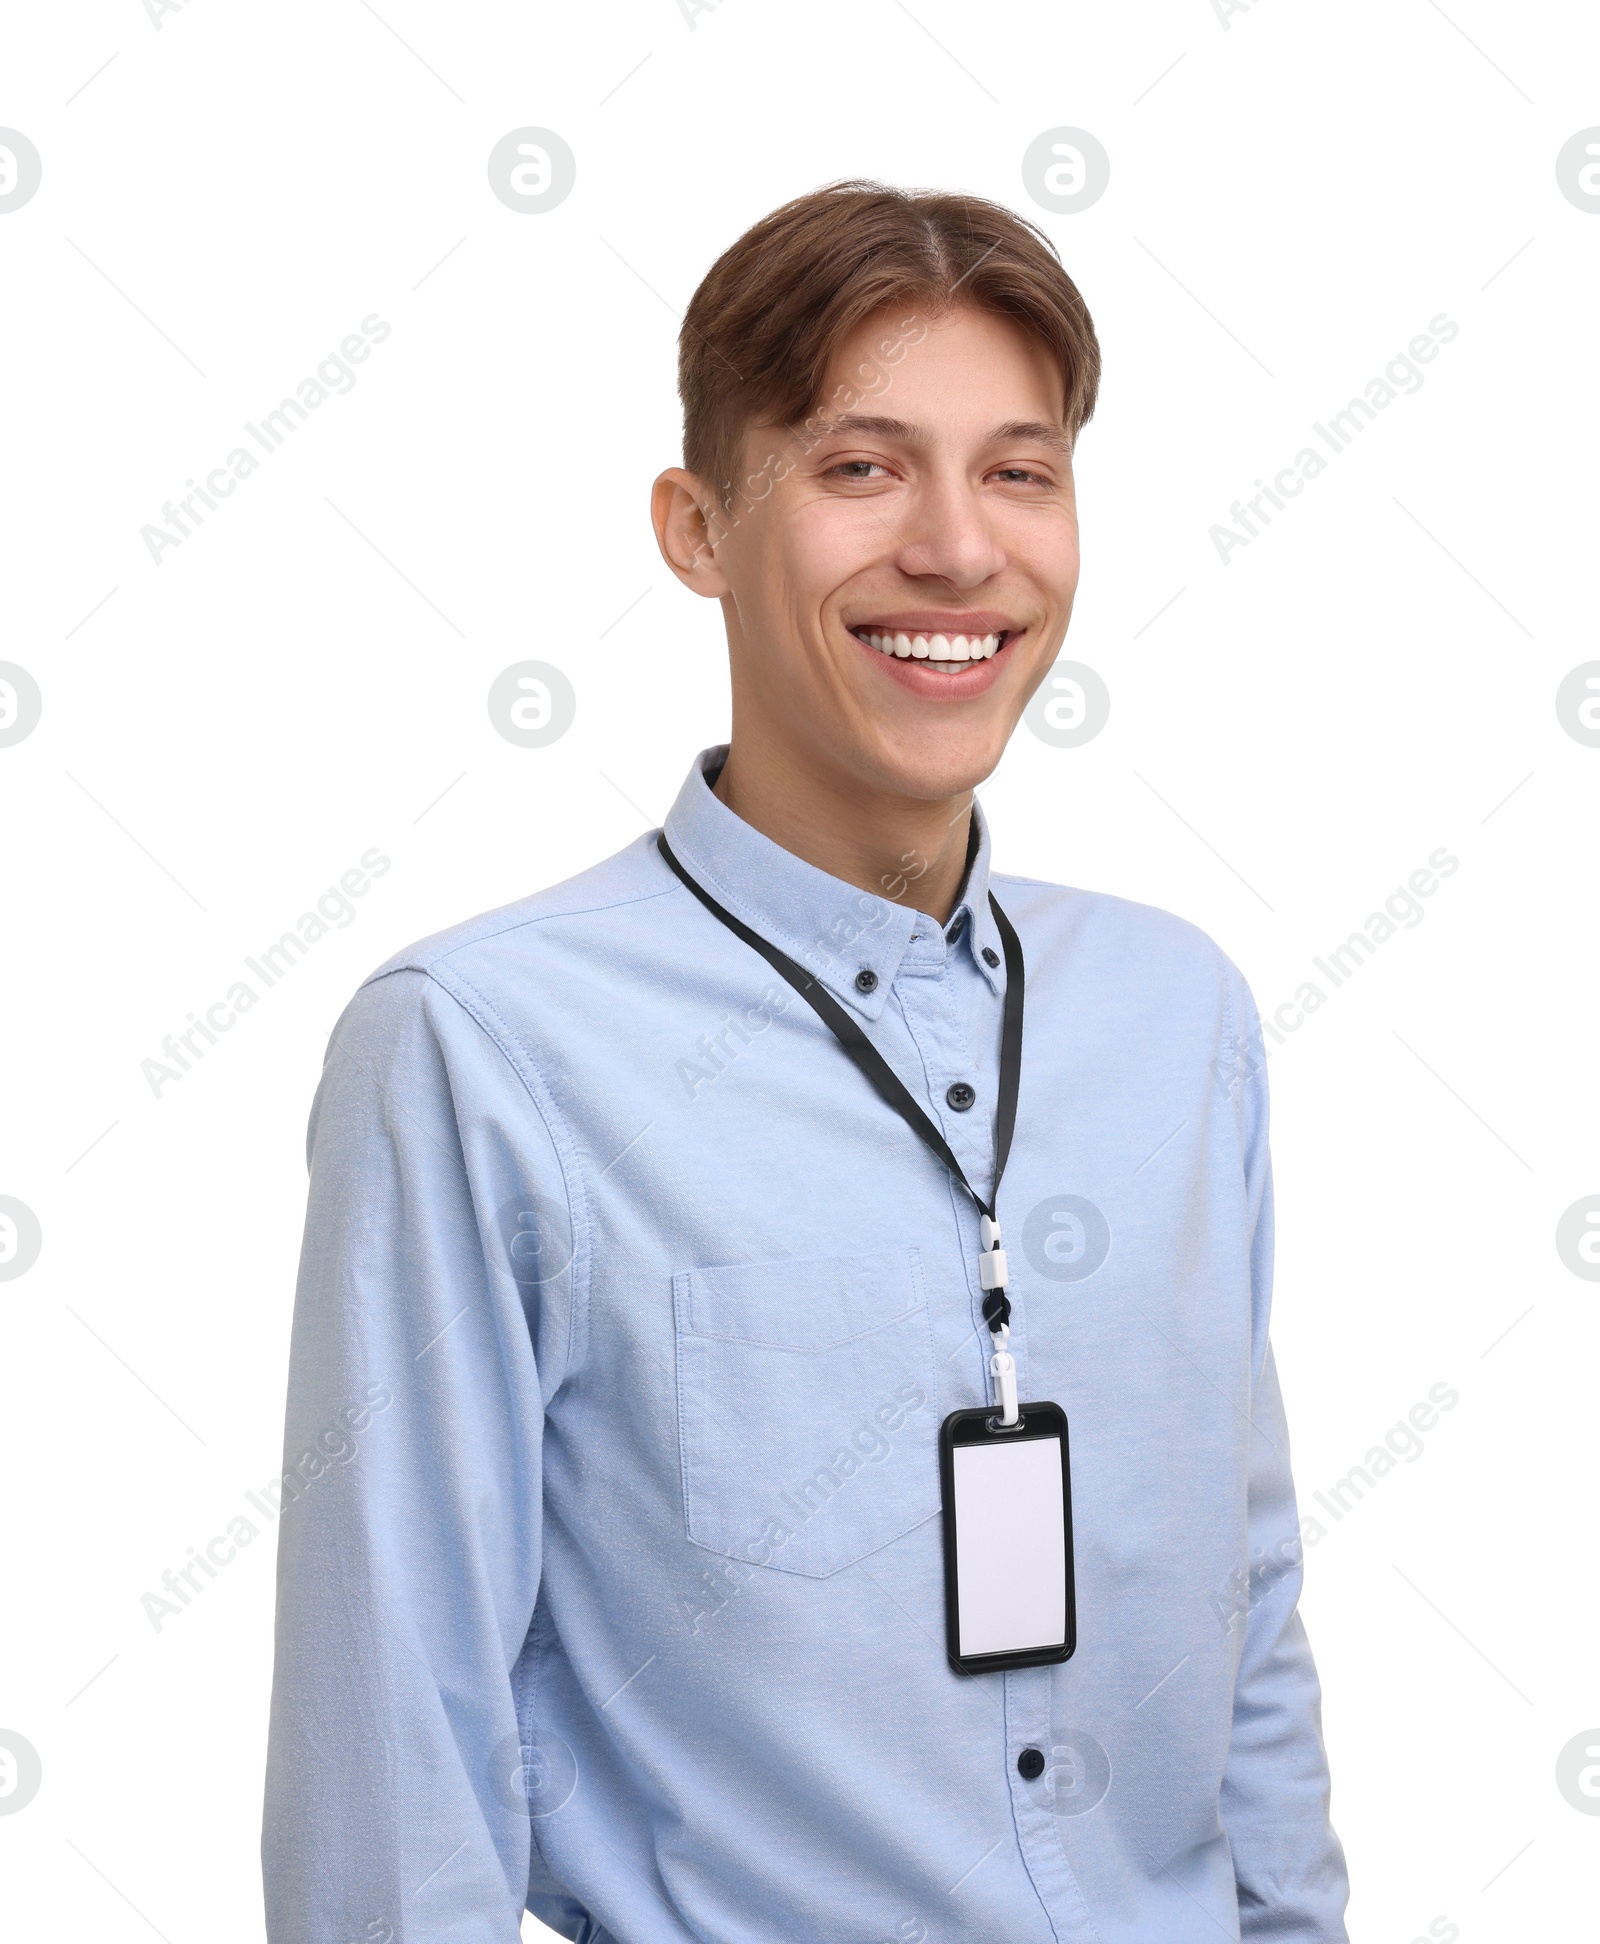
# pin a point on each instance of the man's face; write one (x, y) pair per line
(933, 515)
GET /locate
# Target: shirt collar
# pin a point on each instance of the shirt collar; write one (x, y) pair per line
(836, 931)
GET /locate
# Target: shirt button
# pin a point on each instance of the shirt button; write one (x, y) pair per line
(959, 1096)
(866, 980)
(990, 956)
(1030, 1764)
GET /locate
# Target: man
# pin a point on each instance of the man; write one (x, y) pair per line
(634, 1311)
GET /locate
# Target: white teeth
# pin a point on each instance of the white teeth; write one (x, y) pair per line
(945, 649)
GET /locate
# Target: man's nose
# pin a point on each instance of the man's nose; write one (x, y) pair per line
(948, 536)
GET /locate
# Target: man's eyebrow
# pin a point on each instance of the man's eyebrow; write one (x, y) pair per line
(879, 428)
(1040, 431)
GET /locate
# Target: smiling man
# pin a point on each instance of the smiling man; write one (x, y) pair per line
(716, 1570)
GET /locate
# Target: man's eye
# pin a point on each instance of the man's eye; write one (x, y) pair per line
(1020, 473)
(857, 469)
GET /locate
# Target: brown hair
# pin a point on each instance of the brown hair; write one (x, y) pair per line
(763, 327)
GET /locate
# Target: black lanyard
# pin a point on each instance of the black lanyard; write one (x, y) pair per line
(877, 1070)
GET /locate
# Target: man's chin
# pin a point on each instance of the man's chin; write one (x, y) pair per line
(921, 773)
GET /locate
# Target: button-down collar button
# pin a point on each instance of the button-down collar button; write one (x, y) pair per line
(866, 980)
(959, 1096)
(1030, 1764)
(990, 956)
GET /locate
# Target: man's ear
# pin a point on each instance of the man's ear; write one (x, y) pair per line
(687, 530)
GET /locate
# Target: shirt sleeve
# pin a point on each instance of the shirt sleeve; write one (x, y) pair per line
(432, 1322)
(1288, 1864)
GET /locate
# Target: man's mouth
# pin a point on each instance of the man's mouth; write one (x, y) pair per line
(943, 651)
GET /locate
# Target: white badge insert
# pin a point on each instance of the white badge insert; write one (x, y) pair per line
(1011, 1563)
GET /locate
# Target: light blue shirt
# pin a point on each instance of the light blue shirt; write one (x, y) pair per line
(610, 1573)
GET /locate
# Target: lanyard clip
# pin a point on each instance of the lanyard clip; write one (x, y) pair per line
(997, 1310)
(992, 1275)
(1003, 1368)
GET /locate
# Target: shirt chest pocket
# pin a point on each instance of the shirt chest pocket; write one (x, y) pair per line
(807, 1425)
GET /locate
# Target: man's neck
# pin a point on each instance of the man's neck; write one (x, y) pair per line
(911, 852)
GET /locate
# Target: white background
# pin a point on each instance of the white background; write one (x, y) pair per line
(1294, 194)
